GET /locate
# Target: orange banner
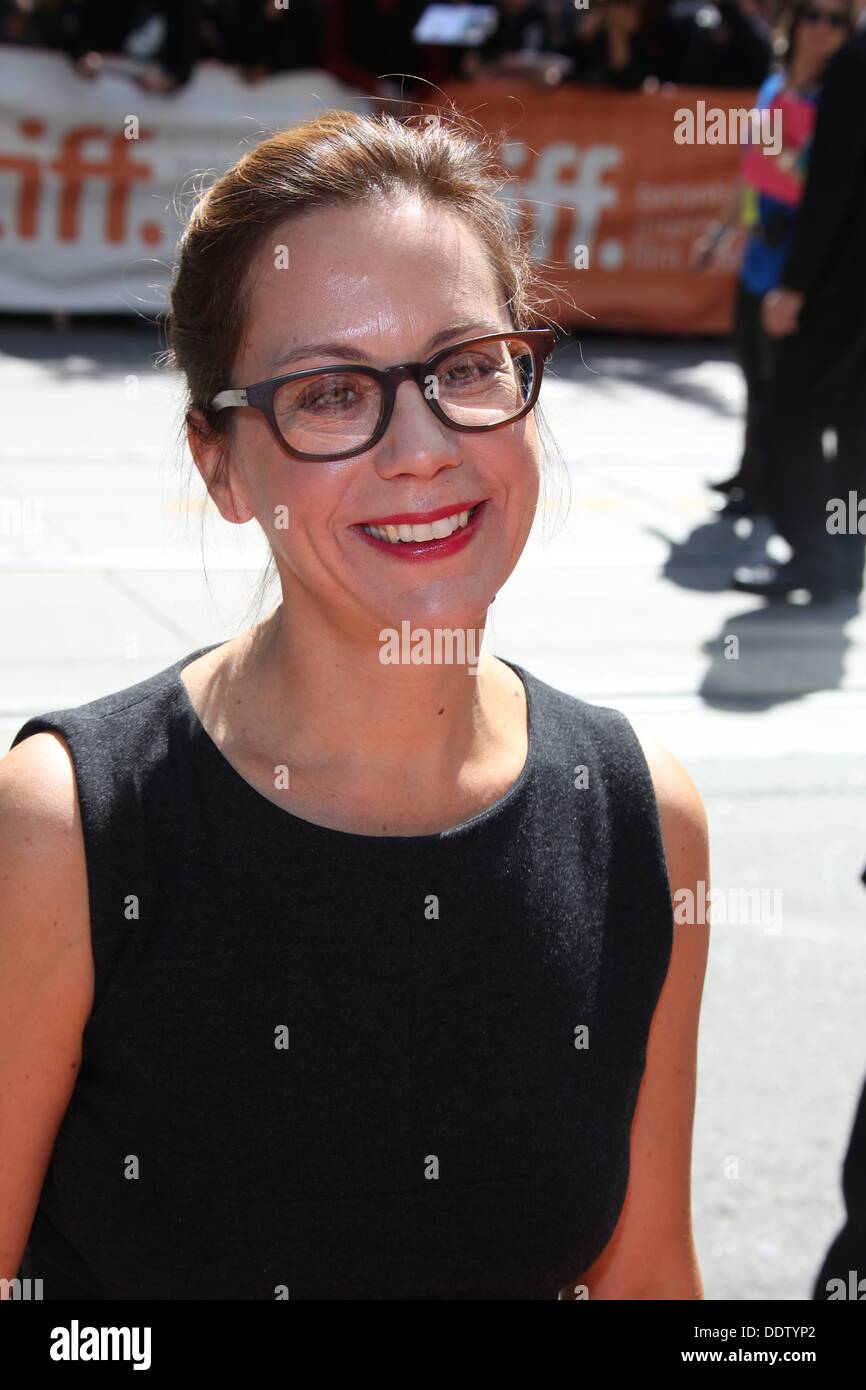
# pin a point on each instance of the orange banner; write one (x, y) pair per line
(613, 189)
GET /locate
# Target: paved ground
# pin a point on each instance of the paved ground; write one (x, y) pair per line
(101, 584)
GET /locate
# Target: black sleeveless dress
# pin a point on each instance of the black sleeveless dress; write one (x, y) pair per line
(329, 1065)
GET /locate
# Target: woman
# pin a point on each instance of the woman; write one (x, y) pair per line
(817, 29)
(377, 955)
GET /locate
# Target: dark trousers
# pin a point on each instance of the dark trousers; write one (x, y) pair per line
(818, 385)
(848, 1251)
(755, 353)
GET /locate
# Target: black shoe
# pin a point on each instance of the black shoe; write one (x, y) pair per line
(777, 581)
(728, 485)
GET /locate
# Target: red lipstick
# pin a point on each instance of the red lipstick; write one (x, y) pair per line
(419, 518)
(426, 550)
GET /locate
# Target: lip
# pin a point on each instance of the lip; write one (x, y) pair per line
(427, 550)
(419, 518)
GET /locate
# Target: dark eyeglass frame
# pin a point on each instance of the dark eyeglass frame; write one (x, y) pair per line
(260, 395)
(836, 19)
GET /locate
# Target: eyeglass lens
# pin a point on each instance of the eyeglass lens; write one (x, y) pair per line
(485, 384)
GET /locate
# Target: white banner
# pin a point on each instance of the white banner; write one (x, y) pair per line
(94, 175)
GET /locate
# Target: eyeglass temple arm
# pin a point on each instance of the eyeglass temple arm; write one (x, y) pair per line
(226, 398)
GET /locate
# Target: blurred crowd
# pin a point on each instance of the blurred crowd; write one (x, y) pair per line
(629, 44)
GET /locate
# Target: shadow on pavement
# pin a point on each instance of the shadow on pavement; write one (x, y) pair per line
(762, 656)
(707, 557)
(783, 652)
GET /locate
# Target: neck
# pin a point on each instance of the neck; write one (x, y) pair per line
(331, 708)
(805, 72)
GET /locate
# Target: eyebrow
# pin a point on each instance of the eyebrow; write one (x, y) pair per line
(348, 352)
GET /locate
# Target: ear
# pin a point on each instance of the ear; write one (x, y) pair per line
(208, 449)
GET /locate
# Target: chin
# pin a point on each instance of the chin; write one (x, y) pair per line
(468, 615)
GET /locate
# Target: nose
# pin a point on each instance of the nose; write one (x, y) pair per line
(416, 441)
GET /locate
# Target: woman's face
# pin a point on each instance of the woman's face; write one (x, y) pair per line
(384, 282)
(817, 39)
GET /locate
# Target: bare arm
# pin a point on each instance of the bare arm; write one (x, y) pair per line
(651, 1254)
(46, 972)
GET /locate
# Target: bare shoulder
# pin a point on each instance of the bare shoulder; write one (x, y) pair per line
(685, 834)
(37, 789)
(46, 971)
(39, 769)
(44, 909)
(682, 814)
(651, 1254)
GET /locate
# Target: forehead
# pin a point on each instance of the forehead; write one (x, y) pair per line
(392, 271)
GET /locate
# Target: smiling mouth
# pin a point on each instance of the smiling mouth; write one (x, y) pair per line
(405, 533)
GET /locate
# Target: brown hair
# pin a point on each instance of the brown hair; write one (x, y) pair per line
(341, 158)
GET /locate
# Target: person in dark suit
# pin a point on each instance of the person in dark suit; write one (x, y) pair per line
(818, 315)
(847, 1253)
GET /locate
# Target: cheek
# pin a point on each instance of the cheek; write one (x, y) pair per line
(259, 471)
(516, 474)
(524, 463)
(276, 501)
(514, 450)
(303, 500)
(258, 460)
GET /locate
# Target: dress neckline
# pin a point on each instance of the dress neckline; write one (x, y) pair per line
(230, 775)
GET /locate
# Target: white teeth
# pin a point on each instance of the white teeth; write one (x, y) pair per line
(428, 531)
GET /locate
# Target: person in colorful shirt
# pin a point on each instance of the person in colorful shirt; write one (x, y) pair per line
(765, 204)
(815, 415)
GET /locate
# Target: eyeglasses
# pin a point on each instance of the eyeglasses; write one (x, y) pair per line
(832, 17)
(336, 412)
